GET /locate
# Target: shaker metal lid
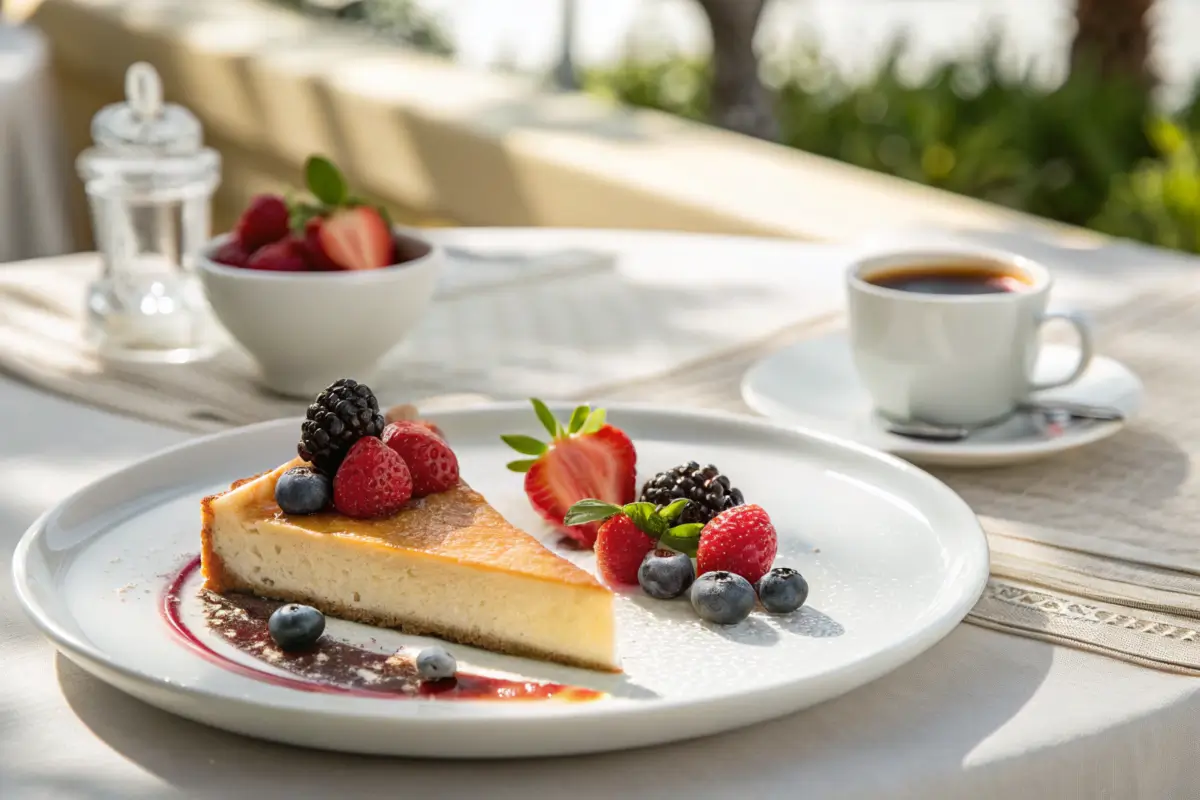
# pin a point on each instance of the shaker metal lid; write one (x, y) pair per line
(143, 122)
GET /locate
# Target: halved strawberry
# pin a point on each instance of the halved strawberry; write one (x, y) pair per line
(586, 458)
(318, 260)
(357, 238)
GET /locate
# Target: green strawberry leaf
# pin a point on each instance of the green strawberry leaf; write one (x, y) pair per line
(590, 510)
(387, 218)
(673, 511)
(325, 181)
(546, 417)
(578, 417)
(646, 518)
(595, 421)
(524, 444)
(684, 538)
(522, 465)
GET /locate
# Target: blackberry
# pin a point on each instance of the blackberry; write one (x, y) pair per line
(706, 487)
(342, 414)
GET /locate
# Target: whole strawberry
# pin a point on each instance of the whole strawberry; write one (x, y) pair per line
(264, 221)
(586, 458)
(740, 540)
(627, 533)
(286, 255)
(620, 549)
(232, 254)
(432, 463)
(373, 481)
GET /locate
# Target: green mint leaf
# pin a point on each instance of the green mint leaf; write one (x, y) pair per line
(656, 527)
(325, 181)
(673, 511)
(684, 538)
(590, 510)
(595, 421)
(524, 444)
(523, 465)
(646, 518)
(546, 417)
(578, 417)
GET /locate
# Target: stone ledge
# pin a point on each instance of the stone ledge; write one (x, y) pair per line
(475, 147)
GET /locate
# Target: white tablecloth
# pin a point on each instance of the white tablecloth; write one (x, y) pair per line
(33, 205)
(981, 715)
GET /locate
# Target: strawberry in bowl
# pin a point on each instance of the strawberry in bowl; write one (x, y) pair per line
(315, 285)
(329, 230)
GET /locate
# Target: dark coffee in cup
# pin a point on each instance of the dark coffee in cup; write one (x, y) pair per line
(960, 279)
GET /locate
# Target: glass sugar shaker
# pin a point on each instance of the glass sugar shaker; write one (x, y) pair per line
(149, 182)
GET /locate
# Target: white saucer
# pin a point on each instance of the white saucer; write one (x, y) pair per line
(814, 384)
(893, 557)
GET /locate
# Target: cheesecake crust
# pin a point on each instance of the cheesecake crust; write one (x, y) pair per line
(415, 627)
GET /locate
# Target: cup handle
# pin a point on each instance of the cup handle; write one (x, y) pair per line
(1085, 349)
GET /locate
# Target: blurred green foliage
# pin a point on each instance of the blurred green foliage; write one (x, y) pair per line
(1159, 200)
(401, 21)
(1087, 152)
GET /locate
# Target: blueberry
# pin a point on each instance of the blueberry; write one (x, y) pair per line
(665, 574)
(303, 490)
(782, 590)
(722, 597)
(435, 664)
(296, 627)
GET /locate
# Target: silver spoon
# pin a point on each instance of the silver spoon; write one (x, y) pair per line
(1051, 412)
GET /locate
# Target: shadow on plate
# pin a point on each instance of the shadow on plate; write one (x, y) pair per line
(810, 622)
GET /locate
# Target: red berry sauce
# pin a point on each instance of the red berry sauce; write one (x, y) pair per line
(333, 667)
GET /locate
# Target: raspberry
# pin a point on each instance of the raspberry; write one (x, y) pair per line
(373, 481)
(264, 221)
(620, 548)
(286, 255)
(433, 465)
(740, 540)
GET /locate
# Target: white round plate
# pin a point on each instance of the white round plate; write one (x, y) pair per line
(814, 384)
(893, 557)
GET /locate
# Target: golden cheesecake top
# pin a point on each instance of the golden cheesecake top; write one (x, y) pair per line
(457, 525)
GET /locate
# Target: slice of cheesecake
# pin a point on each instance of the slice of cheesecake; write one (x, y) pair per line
(447, 565)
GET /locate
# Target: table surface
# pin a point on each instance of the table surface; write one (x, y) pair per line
(982, 714)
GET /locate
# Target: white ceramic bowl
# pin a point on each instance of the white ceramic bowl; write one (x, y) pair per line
(307, 329)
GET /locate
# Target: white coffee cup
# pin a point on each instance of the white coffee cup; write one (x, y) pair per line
(957, 359)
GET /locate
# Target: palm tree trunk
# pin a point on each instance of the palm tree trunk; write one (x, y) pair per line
(740, 101)
(1113, 36)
